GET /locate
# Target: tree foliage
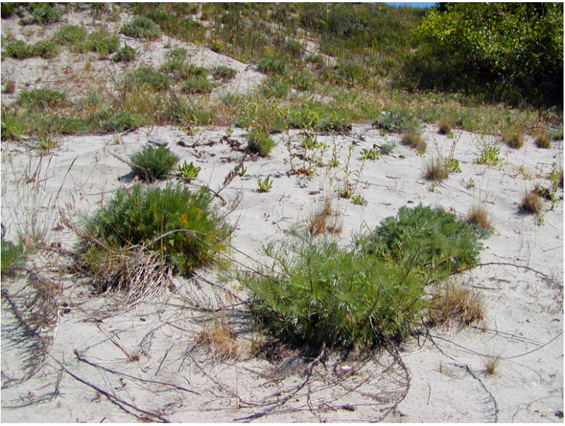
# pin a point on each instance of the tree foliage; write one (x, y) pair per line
(512, 51)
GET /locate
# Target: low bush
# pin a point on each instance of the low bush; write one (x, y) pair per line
(151, 163)
(315, 292)
(197, 84)
(181, 225)
(292, 49)
(272, 65)
(123, 120)
(223, 73)
(45, 49)
(141, 27)
(43, 15)
(260, 142)
(433, 241)
(102, 42)
(70, 35)
(274, 87)
(396, 121)
(148, 77)
(125, 54)
(41, 98)
(18, 49)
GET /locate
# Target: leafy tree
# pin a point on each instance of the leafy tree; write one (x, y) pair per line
(511, 51)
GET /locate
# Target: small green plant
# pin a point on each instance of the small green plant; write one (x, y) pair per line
(265, 185)
(387, 148)
(197, 84)
(181, 225)
(151, 163)
(125, 54)
(223, 73)
(358, 199)
(513, 137)
(141, 27)
(543, 140)
(242, 170)
(123, 120)
(260, 142)
(470, 184)
(274, 87)
(13, 257)
(19, 49)
(396, 121)
(432, 240)
(41, 98)
(43, 15)
(102, 42)
(489, 155)
(369, 154)
(189, 171)
(532, 203)
(415, 140)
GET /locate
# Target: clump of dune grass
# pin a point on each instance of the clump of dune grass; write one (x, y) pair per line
(454, 302)
(532, 203)
(513, 137)
(543, 140)
(414, 139)
(325, 219)
(445, 126)
(437, 170)
(479, 217)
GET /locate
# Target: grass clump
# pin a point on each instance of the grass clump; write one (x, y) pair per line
(41, 98)
(123, 120)
(197, 85)
(325, 219)
(543, 140)
(152, 163)
(434, 240)
(415, 140)
(272, 65)
(319, 293)
(182, 226)
(19, 49)
(43, 15)
(396, 121)
(453, 302)
(437, 170)
(260, 142)
(479, 217)
(148, 77)
(102, 42)
(223, 73)
(532, 203)
(125, 54)
(70, 35)
(513, 137)
(445, 126)
(9, 87)
(141, 27)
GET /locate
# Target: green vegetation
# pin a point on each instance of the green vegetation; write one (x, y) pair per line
(182, 226)
(188, 171)
(125, 54)
(260, 142)
(396, 121)
(13, 257)
(197, 84)
(265, 185)
(151, 163)
(41, 98)
(141, 27)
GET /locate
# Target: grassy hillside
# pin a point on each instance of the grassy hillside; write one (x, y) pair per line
(325, 66)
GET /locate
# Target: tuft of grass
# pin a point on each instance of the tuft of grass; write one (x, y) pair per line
(388, 148)
(415, 140)
(513, 137)
(223, 73)
(492, 363)
(453, 302)
(272, 65)
(260, 142)
(125, 54)
(43, 15)
(197, 84)
(479, 217)
(325, 219)
(437, 170)
(532, 203)
(148, 77)
(445, 126)
(102, 42)
(220, 338)
(182, 226)
(141, 27)
(151, 163)
(13, 257)
(543, 140)
(41, 98)
(396, 121)
(70, 35)
(9, 87)
(123, 120)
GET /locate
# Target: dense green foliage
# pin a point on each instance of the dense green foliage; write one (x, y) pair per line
(141, 27)
(435, 240)
(151, 163)
(260, 142)
(510, 52)
(316, 292)
(139, 216)
(12, 257)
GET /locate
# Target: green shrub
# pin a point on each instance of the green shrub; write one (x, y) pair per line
(13, 124)
(272, 65)
(141, 27)
(102, 42)
(333, 123)
(149, 77)
(292, 48)
(197, 84)
(396, 121)
(123, 120)
(224, 73)
(178, 67)
(274, 87)
(304, 80)
(260, 142)
(43, 15)
(303, 118)
(151, 163)
(70, 35)
(18, 49)
(41, 98)
(434, 241)
(13, 257)
(315, 292)
(125, 54)
(140, 215)
(45, 49)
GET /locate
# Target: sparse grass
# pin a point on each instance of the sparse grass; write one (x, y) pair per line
(543, 140)
(325, 219)
(260, 142)
(9, 87)
(513, 137)
(272, 65)
(451, 301)
(532, 203)
(436, 170)
(220, 338)
(415, 140)
(182, 226)
(41, 98)
(479, 217)
(151, 163)
(492, 363)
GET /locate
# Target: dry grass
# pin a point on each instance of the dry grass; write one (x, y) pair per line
(513, 137)
(543, 140)
(325, 220)
(453, 302)
(415, 140)
(436, 170)
(478, 216)
(532, 203)
(220, 339)
(445, 126)
(491, 364)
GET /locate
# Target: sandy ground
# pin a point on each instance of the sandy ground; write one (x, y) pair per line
(91, 360)
(150, 361)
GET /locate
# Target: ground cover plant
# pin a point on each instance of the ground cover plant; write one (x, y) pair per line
(151, 163)
(181, 225)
